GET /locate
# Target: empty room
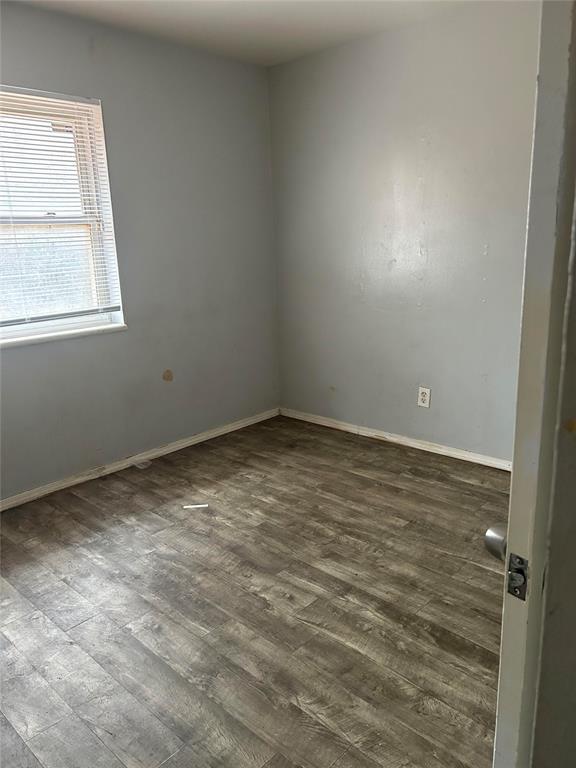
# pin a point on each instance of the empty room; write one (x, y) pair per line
(288, 383)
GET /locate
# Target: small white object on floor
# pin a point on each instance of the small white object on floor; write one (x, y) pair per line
(194, 506)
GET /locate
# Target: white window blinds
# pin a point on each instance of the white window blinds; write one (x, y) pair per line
(58, 266)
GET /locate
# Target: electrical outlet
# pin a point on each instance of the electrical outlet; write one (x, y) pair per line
(424, 397)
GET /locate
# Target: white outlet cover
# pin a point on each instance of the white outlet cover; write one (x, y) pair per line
(424, 397)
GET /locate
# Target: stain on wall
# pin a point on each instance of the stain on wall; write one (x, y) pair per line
(191, 196)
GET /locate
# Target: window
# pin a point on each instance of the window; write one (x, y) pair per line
(58, 267)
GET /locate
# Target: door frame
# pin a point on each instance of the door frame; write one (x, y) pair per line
(546, 294)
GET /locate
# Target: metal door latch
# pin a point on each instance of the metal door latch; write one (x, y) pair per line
(517, 576)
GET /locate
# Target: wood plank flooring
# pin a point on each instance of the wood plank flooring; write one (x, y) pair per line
(283, 596)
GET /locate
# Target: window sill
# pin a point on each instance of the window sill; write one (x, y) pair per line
(55, 335)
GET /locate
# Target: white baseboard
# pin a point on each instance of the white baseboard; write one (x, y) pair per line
(177, 445)
(378, 434)
(116, 466)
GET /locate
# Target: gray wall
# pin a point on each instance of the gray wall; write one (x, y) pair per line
(188, 149)
(401, 169)
(401, 174)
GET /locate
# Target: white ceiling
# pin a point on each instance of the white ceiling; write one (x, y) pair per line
(261, 31)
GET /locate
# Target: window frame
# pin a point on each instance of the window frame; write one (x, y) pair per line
(93, 201)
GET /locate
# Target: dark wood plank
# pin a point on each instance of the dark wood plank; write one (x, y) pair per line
(406, 656)
(433, 727)
(12, 662)
(63, 605)
(98, 583)
(458, 650)
(279, 761)
(271, 716)
(13, 605)
(407, 727)
(229, 753)
(47, 647)
(22, 571)
(31, 705)
(330, 605)
(128, 729)
(144, 674)
(70, 744)
(15, 753)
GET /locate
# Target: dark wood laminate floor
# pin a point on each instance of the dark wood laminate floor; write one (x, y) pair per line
(329, 605)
